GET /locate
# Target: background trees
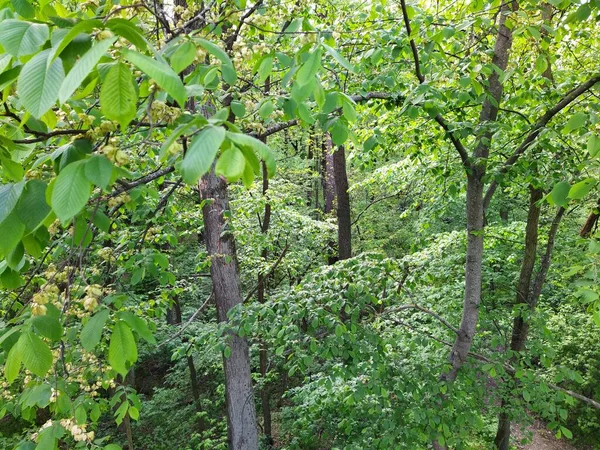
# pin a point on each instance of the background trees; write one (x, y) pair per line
(436, 162)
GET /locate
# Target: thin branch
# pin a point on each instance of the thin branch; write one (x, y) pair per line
(536, 130)
(189, 321)
(270, 272)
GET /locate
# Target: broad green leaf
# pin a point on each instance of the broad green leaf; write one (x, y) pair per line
(248, 175)
(118, 95)
(82, 68)
(339, 58)
(39, 83)
(13, 363)
(183, 56)
(231, 164)
(35, 353)
(238, 109)
(21, 38)
(339, 132)
(265, 68)
(9, 77)
(85, 26)
(593, 145)
(215, 50)
(71, 191)
(33, 208)
(138, 325)
(576, 121)
(164, 76)
(11, 230)
(9, 197)
(566, 432)
(541, 64)
(258, 146)
(122, 348)
(309, 69)
(201, 154)
(128, 30)
(266, 109)
(48, 327)
(581, 189)
(559, 194)
(24, 8)
(98, 170)
(92, 330)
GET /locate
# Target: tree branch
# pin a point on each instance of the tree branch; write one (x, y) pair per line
(536, 130)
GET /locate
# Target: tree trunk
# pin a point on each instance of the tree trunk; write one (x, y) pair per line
(328, 175)
(517, 343)
(220, 244)
(343, 204)
(591, 223)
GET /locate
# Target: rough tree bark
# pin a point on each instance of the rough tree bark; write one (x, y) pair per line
(591, 223)
(343, 203)
(220, 244)
(327, 175)
(475, 209)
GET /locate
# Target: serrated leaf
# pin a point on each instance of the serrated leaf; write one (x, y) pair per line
(231, 164)
(33, 208)
(36, 355)
(92, 330)
(118, 95)
(309, 69)
(127, 29)
(11, 230)
(71, 191)
(39, 83)
(98, 170)
(576, 121)
(161, 73)
(201, 154)
(20, 38)
(122, 348)
(24, 8)
(183, 56)
(9, 197)
(339, 58)
(82, 68)
(48, 327)
(263, 150)
(12, 366)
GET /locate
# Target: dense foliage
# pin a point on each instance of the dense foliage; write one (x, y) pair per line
(299, 225)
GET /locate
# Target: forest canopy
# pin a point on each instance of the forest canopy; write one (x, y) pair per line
(285, 224)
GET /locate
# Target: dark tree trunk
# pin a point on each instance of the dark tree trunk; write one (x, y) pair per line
(517, 343)
(343, 203)
(328, 175)
(591, 223)
(220, 244)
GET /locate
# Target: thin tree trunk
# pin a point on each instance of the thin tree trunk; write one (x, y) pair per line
(591, 223)
(517, 343)
(343, 204)
(220, 244)
(328, 175)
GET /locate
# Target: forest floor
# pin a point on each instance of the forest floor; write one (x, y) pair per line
(543, 439)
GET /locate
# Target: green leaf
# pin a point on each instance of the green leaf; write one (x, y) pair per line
(348, 108)
(33, 208)
(71, 191)
(82, 68)
(183, 56)
(339, 58)
(541, 64)
(266, 109)
(11, 230)
(581, 14)
(92, 330)
(593, 146)
(339, 132)
(85, 26)
(581, 189)
(13, 364)
(21, 38)
(201, 154)
(24, 8)
(559, 194)
(238, 109)
(48, 327)
(576, 121)
(265, 68)
(9, 197)
(566, 432)
(138, 325)
(39, 83)
(98, 170)
(37, 357)
(214, 50)
(127, 29)
(164, 76)
(309, 69)
(263, 150)
(122, 348)
(118, 95)
(231, 164)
